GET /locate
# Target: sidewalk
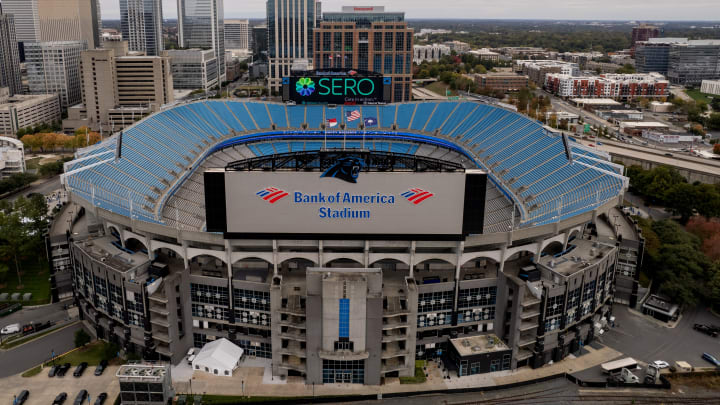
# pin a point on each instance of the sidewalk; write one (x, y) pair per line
(252, 379)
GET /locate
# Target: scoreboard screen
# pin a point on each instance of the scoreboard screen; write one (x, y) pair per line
(336, 87)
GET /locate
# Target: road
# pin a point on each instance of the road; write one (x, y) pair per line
(656, 213)
(31, 354)
(43, 187)
(53, 312)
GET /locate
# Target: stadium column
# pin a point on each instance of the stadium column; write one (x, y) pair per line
(185, 253)
(321, 262)
(366, 254)
(228, 261)
(275, 256)
(458, 265)
(412, 259)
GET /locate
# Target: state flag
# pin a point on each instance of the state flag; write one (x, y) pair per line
(332, 122)
(370, 121)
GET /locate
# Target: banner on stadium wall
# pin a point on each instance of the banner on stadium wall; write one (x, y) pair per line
(345, 202)
(336, 86)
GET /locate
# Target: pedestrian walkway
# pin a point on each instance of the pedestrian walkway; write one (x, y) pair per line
(251, 379)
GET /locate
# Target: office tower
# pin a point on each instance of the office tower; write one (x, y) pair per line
(653, 55)
(54, 67)
(120, 87)
(290, 26)
(193, 68)
(237, 34)
(694, 61)
(141, 25)
(641, 33)
(56, 20)
(260, 42)
(370, 39)
(9, 56)
(201, 25)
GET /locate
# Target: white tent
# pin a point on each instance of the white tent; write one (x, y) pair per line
(220, 357)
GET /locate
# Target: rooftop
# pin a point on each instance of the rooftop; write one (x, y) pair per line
(661, 304)
(643, 124)
(144, 371)
(469, 346)
(580, 254)
(595, 101)
(103, 249)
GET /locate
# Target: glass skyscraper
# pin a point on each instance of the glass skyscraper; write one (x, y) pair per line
(200, 25)
(290, 25)
(141, 25)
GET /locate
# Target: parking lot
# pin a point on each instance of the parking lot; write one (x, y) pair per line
(43, 389)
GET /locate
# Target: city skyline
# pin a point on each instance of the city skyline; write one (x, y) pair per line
(647, 10)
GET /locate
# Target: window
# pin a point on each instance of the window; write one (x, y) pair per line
(344, 344)
(377, 63)
(388, 41)
(399, 40)
(344, 318)
(210, 312)
(341, 371)
(399, 64)
(555, 306)
(435, 301)
(209, 294)
(475, 297)
(250, 299)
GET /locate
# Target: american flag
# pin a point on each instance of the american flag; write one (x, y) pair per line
(352, 115)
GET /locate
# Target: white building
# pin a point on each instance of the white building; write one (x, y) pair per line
(201, 24)
(485, 54)
(194, 68)
(12, 156)
(220, 357)
(432, 52)
(237, 34)
(141, 25)
(710, 87)
(22, 111)
(290, 27)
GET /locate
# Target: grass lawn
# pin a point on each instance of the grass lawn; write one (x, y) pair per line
(92, 353)
(644, 280)
(36, 280)
(696, 95)
(439, 88)
(33, 163)
(32, 372)
(419, 377)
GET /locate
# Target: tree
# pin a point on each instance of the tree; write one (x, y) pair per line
(15, 240)
(716, 149)
(626, 68)
(81, 338)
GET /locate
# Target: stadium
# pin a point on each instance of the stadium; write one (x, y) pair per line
(457, 230)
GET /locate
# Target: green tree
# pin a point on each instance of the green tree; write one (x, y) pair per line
(681, 199)
(81, 338)
(15, 241)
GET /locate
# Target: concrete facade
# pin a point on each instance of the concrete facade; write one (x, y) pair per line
(193, 68)
(54, 67)
(22, 111)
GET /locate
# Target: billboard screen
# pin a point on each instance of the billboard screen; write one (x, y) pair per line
(341, 201)
(334, 87)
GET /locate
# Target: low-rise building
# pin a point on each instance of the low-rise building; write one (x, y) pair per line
(145, 383)
(637, 128)
(528, 52)
(486, 54)
(661, 308)
(661, 107)
(193, 68)
(710, 87)
(505, 81)
(478, 354)
(22, 111)
(457, 46)
(617, 86)
(621, 115)
(562, 116)
(536, 70)
(12, 157)
(596, 104)
(431, 53)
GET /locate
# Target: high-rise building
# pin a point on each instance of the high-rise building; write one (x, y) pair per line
(141, 25)
(193, 68)
(9, 55)
(290, 28)
(653, 55)
(22, 111)
(237, 34)
(260, 42)
(54, 67)
(56, 20)
(642, 32)
(370, 39)
(694, 61)
(201, 25)
(120, 87)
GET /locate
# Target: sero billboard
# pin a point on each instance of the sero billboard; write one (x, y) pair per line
(341, 201)
(334, 87)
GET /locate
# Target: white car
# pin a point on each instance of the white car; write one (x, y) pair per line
(190, 352)
(9, 329)
(661, 364)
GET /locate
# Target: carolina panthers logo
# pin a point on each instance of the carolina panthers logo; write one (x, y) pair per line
(347, 168)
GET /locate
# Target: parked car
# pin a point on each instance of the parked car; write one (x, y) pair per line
(101, 367)
(190, 359)
(101, 399)
(53, 371)
(669, 154)
(22, 397)
(80, 369)
(62, 370)
(706, 329)
(190, 352)
(710, 358)
(81, 397)
(9, 329)
(661, 364)
(60, 398)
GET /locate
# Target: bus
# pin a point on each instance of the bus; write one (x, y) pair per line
(616, 366)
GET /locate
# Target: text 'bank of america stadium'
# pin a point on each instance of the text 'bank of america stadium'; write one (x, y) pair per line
(457, 229)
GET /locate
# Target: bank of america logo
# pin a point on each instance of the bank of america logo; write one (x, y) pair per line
(417, 195)
(271, 194)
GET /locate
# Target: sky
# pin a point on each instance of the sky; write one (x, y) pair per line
(645, 10)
